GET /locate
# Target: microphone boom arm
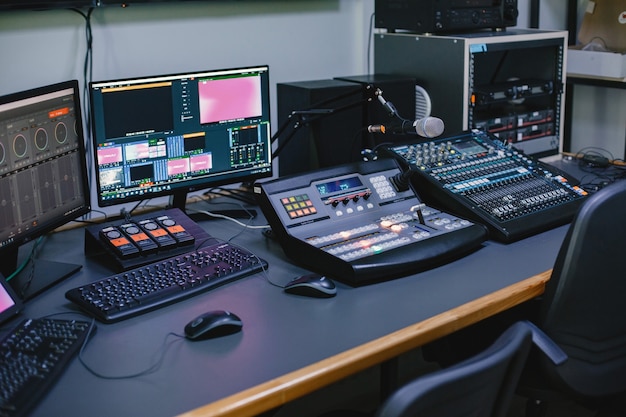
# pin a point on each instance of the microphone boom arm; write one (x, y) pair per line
(305, 117)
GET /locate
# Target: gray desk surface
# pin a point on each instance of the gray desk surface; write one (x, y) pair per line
(281, 332)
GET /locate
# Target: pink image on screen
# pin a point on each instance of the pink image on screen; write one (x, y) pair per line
(109, 155)
(201, 162)
(5, 300)
(177, 166)
(229, 99)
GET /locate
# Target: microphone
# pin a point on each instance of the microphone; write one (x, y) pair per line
(427, 127)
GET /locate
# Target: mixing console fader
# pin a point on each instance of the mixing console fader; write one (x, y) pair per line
(350, 223)
(477, 176)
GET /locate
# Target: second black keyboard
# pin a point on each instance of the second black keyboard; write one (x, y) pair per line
(143, 289)
(32, 356)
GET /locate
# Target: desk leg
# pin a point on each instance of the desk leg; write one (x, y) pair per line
(389, 372)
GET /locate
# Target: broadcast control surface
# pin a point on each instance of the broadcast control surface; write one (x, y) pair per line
(352, 224)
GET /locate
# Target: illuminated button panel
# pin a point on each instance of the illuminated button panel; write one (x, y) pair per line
(298, 206)
(383, 187)
(388, 232)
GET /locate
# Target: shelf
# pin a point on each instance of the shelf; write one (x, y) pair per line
(596, 81)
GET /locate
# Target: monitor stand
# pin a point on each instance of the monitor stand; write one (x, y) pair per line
(37, 276)
(179, 200)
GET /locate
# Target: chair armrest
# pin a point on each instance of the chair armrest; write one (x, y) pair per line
(546, 345)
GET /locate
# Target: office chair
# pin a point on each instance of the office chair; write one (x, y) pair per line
(583, 311)
(481, 386)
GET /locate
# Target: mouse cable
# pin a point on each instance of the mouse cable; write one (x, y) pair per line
(149, 370)
(263, 269)
(212, 239)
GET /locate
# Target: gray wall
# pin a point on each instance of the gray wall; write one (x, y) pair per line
(300, 40)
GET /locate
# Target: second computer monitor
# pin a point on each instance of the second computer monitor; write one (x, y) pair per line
(172, 134)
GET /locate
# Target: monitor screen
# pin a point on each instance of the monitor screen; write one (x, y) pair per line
(10, 304)
(43, 174)
(172, 134)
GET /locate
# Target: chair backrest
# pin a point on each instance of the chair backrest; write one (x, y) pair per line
(481, 386)
(583, 308)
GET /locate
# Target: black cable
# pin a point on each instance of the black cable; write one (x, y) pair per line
(591, 153)
(88, 61)
(28, 259)
(87, 77)
(600, 168)
(369, 42)
(236, 194)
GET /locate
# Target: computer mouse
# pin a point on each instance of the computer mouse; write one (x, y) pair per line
(213, 324)
(312, 285)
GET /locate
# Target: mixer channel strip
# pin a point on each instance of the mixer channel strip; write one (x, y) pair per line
(477, 176)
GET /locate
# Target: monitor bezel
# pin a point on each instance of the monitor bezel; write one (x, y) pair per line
(180, 191)
(12, 246)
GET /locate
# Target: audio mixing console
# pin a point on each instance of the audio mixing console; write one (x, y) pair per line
(478, 176)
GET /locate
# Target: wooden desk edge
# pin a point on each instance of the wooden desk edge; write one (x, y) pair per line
(281, 390)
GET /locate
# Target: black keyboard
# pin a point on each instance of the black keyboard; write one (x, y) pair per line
(143, 289)
(32, 356)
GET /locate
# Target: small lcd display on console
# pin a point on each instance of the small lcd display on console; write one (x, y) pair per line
(469, 147)
(339, 185)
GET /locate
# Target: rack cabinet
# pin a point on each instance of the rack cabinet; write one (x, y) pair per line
(511, 83)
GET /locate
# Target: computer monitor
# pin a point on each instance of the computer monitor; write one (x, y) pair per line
(43, 176)
(168, 135)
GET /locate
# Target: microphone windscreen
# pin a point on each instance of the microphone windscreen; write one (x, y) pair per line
(429, 127)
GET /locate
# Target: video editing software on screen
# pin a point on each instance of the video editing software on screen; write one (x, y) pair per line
(156, 135)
